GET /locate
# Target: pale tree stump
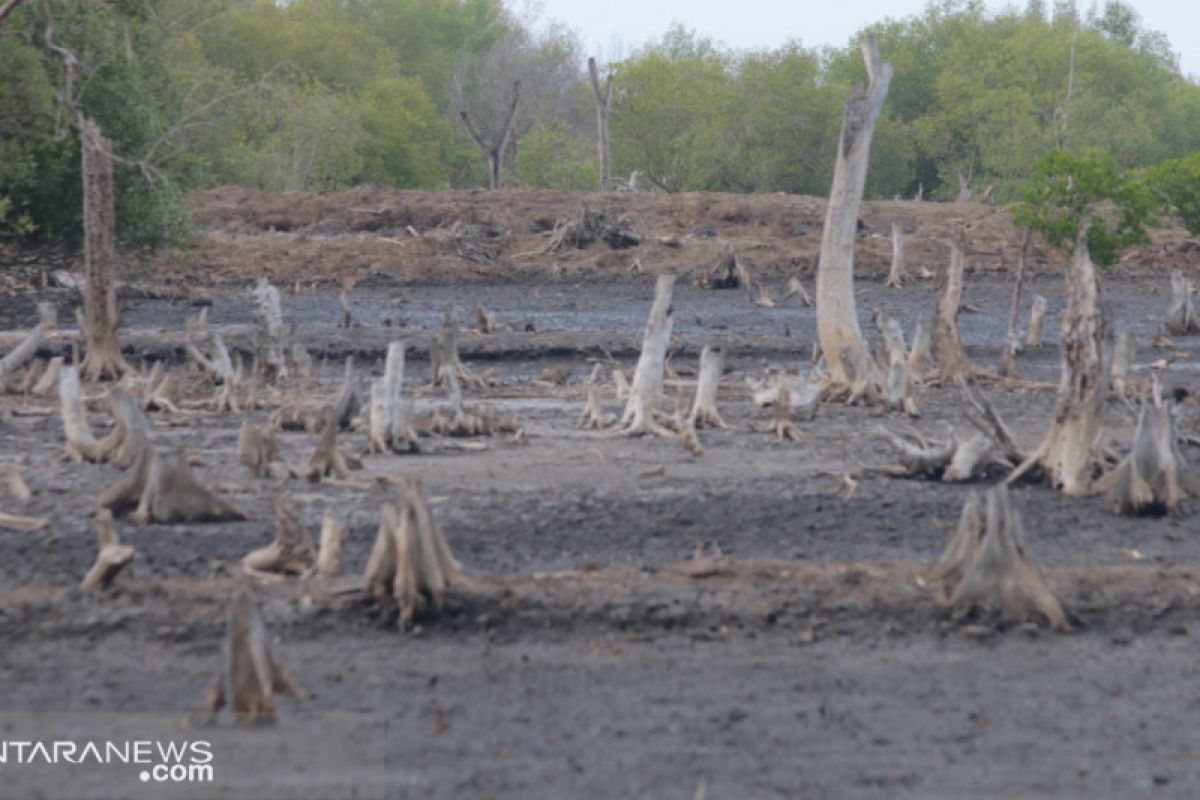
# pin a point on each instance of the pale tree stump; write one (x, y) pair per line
(111, 557)
(250, 674)
(704, 409)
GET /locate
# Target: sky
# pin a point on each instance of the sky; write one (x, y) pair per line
(613, 28)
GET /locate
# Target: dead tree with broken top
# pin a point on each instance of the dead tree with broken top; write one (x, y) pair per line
(603, 101)
(953, 367)
(837, 318)
(494, 152)
(646, 392)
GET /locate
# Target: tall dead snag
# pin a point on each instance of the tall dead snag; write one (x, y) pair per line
(603, 101)
(23, 352)
(987, 567)
(250, 673)
(646, 392)
(494, 153)
(837, 319)
(112, 556)
(257, 449)
(898, 274)
(953, 367)
(444, 361)
(290, 552)
(1181, 319)
(1068, 452)
(410, 561)
(1012, 341)
(704, 409)
(1037, 317)
(1154, 478)
(81, 443)
(389, 426)
(102, 352)
(269, 363)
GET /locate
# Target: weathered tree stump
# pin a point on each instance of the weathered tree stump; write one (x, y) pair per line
(646, 392)
(160, 488)
(898, 273)
(704, 409)
(329, 556)
(1181, 318)
(290, 552)
(593, 416)
(81, 443)
(953, 367)
(269, 362)
(111, 556)
(1037, 317)
(389, 415)
(444, 361)
(257, 448)
(250, 674)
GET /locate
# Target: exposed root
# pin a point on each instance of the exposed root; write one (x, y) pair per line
(111, 557)
(250, 674)
(290, 552)
(987, 569)
(704, 409)
(1181, 318)
(1154, 478)
(257, 448)
(410, 561)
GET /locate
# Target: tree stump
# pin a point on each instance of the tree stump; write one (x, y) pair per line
(704, 409)
(1181, 319)
(111, 556)
(953, 367)
(250, 674)
(898, 273)
(1037, 317)
(257, 449)
(290, 552)
(646, 392)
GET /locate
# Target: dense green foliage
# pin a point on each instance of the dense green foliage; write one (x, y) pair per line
(321, 95)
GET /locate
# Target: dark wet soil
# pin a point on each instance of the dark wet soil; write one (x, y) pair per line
(762, 686)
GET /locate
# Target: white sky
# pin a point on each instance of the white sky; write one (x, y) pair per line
(612, 28)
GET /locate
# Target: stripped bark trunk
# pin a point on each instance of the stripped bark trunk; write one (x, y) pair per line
(647, 390)
(603, 101)
(102, 351)
(837, 319)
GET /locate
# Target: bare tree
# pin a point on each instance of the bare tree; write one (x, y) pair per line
(102, 351)
(837, 319)
(603, 101)
(494, 153)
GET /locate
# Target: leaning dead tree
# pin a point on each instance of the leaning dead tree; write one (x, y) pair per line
(603, 101)
(1181, 319)
(494, 153)
(102, 352)
(837, 319)
(1068, 452)
(111, 555)
(410, 562)
(16, 358)
(389, 425)
(646, 392)
(1154, 478)
(899, 273)
(948, 349)
(704, 408)
(987, 568)
(250, 674)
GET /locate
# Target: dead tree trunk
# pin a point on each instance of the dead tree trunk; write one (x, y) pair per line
(250, 672)
(410, 560)
(987, 567)
(1068, 452)
(947, 346)
(898, 273)
(837, 319)
(81, 443)
(102, 351)
(1012, 341)
(329, 556)
(1154, 478)
(290, 552)
(603, 101)
(111, 556)
(494, 153)
(704, 409)
(1181, 319)
(388, 415)
(1037, 318)
(268, 344)
(647, 390)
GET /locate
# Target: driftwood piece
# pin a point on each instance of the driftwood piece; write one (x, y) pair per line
(898, 273)
(111, 557)
(257, 448)
(1037, 317)
(27, 348)
(704, 409)
(16, 522)
(410, 561)
(1181, 318)
(987, 567)
(250, 674)
(646, 392)
(1154, 479)
(291, 551)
